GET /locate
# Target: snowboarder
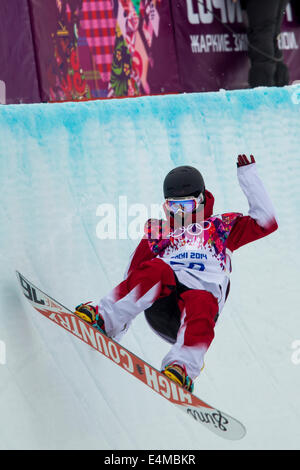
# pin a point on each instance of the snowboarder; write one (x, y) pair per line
(179, 274)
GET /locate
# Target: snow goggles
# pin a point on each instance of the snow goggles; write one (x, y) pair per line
(187, 204)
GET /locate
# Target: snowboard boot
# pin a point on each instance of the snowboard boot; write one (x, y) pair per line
(179, 375)
(90, 314)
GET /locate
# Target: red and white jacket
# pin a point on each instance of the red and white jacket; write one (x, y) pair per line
(200, 254)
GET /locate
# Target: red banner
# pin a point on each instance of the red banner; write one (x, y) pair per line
(104, 48)
(212, 47)
(81, 49)
(18, 74)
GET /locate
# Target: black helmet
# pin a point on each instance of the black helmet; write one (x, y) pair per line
(183, 181)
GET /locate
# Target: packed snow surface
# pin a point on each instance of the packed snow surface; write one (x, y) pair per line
(62, 168)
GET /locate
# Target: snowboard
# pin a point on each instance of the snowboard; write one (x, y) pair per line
(213, 419)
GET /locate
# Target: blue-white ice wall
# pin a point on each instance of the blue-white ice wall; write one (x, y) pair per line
(58, 164)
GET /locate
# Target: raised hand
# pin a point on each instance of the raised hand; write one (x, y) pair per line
(243, 160)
